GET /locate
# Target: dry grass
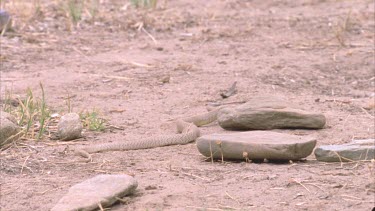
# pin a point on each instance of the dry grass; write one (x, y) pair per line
(31, 113)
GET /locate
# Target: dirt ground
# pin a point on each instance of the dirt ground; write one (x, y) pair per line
(144, 67)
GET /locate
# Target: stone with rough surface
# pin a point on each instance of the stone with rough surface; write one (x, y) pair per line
(101, 189)
(8, 128)
(264, 113)
(5, 20)
(254, 145)
(353, 151)
(69, 127)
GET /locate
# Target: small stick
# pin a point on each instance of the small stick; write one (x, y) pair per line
(125, 201)
(227, 172)
(41, 193)
(148, 34)
(193, 175)
(366, 112)
(301, 185)
(100, 206)
(206, 208)
(232, 197)
(221, 151)
(315, 186)
(24, 164)
(353, 197)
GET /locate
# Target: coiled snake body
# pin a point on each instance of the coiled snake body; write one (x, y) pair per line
(187, 127)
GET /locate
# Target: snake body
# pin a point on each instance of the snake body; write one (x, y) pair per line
(187, 127)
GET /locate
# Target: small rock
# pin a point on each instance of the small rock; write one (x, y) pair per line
(370, 104)
(165, 79)
(8, 128)
(69, 127)
(268, 113)
(101, 189)
(353, 151)
(254, 145)
(8, 116)
(5, 20)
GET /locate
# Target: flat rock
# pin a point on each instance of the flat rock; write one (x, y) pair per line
(353, 151)
(69, 127)
(101, 189)
(264, 113)
(254, 145)
(8, 128)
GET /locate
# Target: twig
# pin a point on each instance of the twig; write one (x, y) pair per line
(24, 164)
(232, 197)
(352, 197)
(124, 201)
(300, 183)
(100, 206)
(315, 186)
(366, 112)
(148, 34)
(41, 193)
(193, 175)
(209, 208)
(221, 151)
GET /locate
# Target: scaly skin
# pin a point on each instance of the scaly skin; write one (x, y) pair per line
(187, 127)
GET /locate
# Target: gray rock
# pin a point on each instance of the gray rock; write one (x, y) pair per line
(268, 113)
(101, 189)
(69, 127)
(5, 20)
(254, 145)
(353, 151)
(8, 128)
(8, 116)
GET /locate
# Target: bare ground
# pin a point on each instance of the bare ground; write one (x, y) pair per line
(318, 54)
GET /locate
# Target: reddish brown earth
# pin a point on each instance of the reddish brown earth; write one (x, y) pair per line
(318, 54)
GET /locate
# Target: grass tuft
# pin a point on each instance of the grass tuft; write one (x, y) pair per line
(144, 3)
(75, 8)
(92, 121)
(32, 113)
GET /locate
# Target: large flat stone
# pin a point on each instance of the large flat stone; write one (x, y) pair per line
(255, 145)
(353, 151)
(264, 113)
(101, 189)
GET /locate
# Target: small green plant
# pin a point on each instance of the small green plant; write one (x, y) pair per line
(44, 113)
(93, 8)
(342, 29)
(8, 102)
(92, 121)
(75, 8)
(144, 3)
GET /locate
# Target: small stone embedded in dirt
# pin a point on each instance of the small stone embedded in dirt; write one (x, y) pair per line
(101, 189)
(8, 128)
(165, 79)
(8, 116)
(231, 91)
(268, 113)
(69, 127)
(151, 187)
(254, 145)
(4, 20)
(353, 151)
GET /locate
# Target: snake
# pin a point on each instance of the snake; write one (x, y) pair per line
(187, 129)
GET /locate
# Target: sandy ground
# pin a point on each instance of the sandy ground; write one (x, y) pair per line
(318, 54)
